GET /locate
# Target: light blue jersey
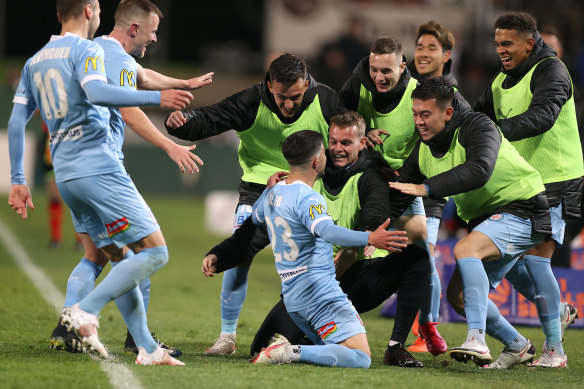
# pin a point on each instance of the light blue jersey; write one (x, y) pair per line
(80, 141)
(304, 262)
(121, 70)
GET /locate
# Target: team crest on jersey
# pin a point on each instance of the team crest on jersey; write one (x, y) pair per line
(118, 226)
(496, 217)
(327, 329)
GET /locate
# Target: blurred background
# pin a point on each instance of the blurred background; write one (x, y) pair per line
(237, 39)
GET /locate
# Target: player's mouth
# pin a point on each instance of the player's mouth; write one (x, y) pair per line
(288, 112)
(382, 86)
(506, 60)
(339, 160)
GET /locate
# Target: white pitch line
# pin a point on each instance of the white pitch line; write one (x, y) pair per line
(120, 376)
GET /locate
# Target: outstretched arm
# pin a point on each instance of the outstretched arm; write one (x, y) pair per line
(150, 79)
(101, 93)
(181, 155)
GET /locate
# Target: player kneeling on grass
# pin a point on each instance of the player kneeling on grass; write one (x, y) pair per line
(302, 233)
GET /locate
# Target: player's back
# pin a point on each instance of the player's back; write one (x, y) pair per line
(121, 70)
(80, 141)
(303, 260)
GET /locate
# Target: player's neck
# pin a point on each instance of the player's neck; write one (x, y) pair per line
(74, 27)
(121, 37)
(309, 177)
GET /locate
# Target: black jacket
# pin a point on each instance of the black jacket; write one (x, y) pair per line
(551, 87)
(481, 140)
(382, 102)
(434, 207)
(374, 195)
(239, 111)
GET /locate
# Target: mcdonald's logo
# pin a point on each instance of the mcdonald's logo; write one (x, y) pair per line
(129, 76)
(320, 209)
(93, 61)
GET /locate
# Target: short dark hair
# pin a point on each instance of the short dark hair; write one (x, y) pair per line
(387, 46)
(441, 33)
(349, 118)
(68, 9)
(435, 88)
(300, 147)
(518, 21)
(287, 69)
(135, 9)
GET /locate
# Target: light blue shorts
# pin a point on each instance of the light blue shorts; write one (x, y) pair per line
(109, 208)
(513, 236)
(329, 322)
(558, 224)
(415, 208)
(243, 212)
(432, 225)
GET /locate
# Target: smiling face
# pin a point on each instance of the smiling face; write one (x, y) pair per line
(429, 118)
(145, 35)
(512, 47)
(429, 58)
(288, 97)
(345, 143)
(385, 70)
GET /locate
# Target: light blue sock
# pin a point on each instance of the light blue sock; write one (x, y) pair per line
(144, 285)
(125, 276)
(81, 281)
(145, 291)
(233, 293)
(430, 309)
(132, 309)
(334, 355)
(547, 299)
(521, 281)
(475, 290)
(499, 328)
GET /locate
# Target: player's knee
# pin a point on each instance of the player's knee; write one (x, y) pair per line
(463, 249)
(158, 256)
(416, 230)
(362, 359)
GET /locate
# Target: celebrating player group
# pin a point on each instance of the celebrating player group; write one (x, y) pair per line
(348, 189)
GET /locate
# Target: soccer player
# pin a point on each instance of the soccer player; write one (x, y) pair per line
(380, 90)
(532, 101)
(288, 100)
(66, 79)
(300, 230)
(432, 58)
(135, 28)
(357, 197)
(462, 154)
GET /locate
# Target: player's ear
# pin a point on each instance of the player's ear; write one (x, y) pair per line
(133, 30)
(315, 163)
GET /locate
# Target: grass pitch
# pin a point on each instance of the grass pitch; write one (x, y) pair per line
(184, 312)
